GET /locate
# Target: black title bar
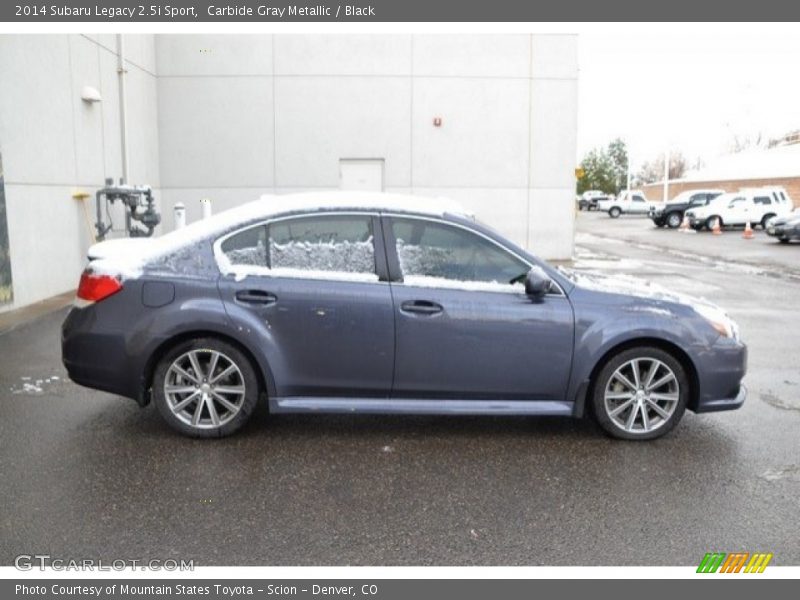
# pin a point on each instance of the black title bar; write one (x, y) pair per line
(264, 11)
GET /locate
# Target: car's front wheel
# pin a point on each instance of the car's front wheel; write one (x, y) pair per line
(674, 220)
(205, 388)
(640, 394)
(614, 212)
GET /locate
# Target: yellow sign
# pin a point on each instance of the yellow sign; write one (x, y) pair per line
(579, 173)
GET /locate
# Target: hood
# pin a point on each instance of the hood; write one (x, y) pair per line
(631, 286)
(790, 220)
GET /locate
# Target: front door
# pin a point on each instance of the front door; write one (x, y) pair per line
(309, 284)
(464, 330)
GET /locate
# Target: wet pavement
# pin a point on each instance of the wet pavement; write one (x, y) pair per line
(89, 475)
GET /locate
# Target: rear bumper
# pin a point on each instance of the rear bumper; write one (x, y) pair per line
(98, 358)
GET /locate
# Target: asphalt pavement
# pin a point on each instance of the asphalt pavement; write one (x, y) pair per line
(89, 475)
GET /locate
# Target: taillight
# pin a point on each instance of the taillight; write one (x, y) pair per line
(94, 288)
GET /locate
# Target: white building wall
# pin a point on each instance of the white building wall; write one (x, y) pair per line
(233, 117)
(248, 115)
(53, 144)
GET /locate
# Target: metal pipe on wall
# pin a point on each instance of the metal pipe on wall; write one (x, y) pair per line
(123, 120)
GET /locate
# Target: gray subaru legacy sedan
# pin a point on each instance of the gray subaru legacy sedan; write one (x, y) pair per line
(374, 303)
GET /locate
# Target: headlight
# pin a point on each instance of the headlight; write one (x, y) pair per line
(723, 324)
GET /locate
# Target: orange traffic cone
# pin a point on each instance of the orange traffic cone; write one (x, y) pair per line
(684, 225)
(717, 229)
(748, 232)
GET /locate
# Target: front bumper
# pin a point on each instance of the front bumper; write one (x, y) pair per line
(720, 372)
(724, 403)
(695, 221)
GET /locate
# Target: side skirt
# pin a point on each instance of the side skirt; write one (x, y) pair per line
(415, 406)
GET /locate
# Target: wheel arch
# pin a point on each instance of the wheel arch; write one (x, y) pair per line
(263, 373)
(667, 346)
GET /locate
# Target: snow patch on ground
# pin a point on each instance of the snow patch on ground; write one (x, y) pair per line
(34, 387)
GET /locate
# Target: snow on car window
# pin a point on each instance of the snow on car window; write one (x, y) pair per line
(344, 256)
(442, 252)
(248, 247)
(340, 243)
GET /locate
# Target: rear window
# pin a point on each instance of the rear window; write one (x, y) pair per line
(762, 200)
(248, 247)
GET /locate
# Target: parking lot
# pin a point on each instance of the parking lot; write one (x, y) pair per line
(89, 475)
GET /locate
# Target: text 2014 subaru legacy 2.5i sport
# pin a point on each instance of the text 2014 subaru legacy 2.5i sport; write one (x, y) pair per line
(373, 303)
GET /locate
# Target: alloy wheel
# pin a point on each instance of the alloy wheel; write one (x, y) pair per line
(204, 388)
(641, 395)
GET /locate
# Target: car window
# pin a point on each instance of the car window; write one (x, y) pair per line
(638, 199)
(735, 201)
(440, 252)
(248, 247)
(762, 200)
(698, 200)
(334, 243)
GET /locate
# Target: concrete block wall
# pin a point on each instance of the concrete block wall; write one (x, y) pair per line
(54, 144)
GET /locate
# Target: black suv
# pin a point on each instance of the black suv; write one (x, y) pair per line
(671, 214)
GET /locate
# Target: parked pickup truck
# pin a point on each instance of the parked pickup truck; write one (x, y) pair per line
(671, 213)
(628, 202)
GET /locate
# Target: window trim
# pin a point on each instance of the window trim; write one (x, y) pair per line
(396, 272)
(379, 247)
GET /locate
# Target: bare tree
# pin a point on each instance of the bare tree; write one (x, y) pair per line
(653, 170)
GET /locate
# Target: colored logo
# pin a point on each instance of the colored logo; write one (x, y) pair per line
(735, 562)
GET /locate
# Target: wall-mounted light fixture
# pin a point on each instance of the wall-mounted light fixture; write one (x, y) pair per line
(90, 95)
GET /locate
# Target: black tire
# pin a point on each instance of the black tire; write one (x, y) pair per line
(783, 240)
(246, 373)
(710, 222)
(602, 381)
(764, 220)
(674, 220)
(614, 212)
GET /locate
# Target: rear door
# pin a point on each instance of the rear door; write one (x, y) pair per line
(463, 330)
(309, 289)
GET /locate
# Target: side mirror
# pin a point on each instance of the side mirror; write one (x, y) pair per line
(537, 283)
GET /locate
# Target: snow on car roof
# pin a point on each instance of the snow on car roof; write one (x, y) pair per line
(130, 261)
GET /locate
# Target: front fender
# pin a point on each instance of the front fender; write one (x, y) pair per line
(602, 326)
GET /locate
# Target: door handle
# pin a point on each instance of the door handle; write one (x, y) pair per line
(256, 297)
(421, 307)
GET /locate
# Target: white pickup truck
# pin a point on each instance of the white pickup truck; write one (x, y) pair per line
(755, 206)
(628, 202)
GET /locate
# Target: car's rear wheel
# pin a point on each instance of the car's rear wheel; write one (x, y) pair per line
(614, 212)
(205, 388)
(640, 394)
(674, 220)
